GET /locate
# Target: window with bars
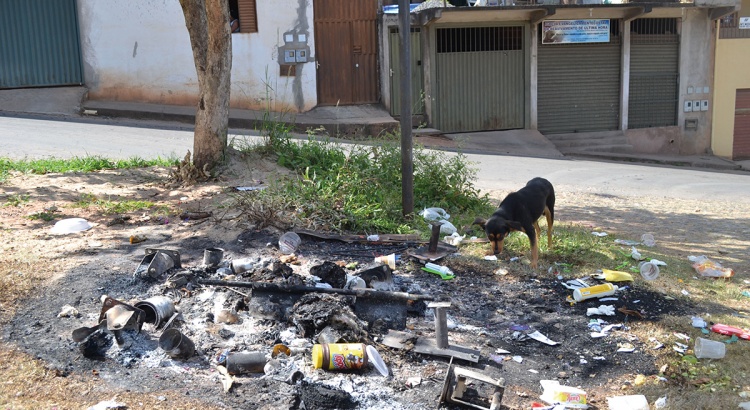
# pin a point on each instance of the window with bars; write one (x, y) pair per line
(729, 27)
(467, 39)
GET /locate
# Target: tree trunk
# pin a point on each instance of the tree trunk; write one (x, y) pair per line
(207, 22)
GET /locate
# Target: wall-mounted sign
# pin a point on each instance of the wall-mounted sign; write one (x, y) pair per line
(745, 22)
(575, 31)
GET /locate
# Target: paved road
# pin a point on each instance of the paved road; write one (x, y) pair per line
(64, 138)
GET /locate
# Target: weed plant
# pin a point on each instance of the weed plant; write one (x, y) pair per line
(358, 187)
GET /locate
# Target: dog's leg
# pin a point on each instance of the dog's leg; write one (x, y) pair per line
(531, 233)
(537, 229)
(550, 221)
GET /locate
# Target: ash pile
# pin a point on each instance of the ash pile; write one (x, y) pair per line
(306, 334)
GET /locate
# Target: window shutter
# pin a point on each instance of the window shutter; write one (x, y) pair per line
(248, 16)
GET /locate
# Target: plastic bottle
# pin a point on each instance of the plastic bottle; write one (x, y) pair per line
(598, 291)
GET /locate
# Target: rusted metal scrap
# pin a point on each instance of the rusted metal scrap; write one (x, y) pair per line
(309, 289)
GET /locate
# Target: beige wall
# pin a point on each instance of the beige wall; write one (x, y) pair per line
(731, 73)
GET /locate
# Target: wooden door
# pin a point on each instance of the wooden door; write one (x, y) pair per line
(346, 51)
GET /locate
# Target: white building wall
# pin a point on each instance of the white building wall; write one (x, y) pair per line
(140, 51)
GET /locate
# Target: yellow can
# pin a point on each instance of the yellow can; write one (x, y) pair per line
(339, 356)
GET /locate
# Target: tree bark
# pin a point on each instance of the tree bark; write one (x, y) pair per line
(207, 22)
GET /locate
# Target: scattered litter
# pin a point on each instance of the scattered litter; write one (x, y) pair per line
(598, 291)
(570, 397)
(250, 188)
(518, 359)
(575, 284)
(745, 294)
(70, 225)
(68, 311)
(373, 238)
(680, 347)
(454, 239)
(413, 381)
(289, 242)
(501, 351)
(657, 344)
(684, 292)
(539, 337)
(635, 254)
(625, 348)
(608, 299)
(533, 371)
(605, 331)
(632, 402)
(626, 242)
(434, 214)
(682, 336)
(648, 240)
(492, 258)
(443, 271)
(745, 405)
(614, 276)
(607, 310)
(499, 359)
(109, 405)
(707, 268)
(709, 349)
(658, 262)
(649, 270)
(730, 331)
(599, 234)
(698, 322)
(390, 260)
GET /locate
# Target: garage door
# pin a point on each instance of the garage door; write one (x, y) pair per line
(741, 144)
(480, 78)
(579, 85)
(39, 43)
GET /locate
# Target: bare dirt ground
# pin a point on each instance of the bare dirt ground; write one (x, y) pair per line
(493, 303)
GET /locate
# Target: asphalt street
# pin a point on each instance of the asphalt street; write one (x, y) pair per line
(64, 138)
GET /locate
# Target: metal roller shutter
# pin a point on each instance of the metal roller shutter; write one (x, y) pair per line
(741, 142)
(579, 86)
(480, 78)
(654, 68)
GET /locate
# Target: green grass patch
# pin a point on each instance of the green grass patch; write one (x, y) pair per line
(16, 200)
(76, 164)
(109, 206)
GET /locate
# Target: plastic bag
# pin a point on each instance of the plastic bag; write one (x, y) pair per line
(707, 268)
(434, 214)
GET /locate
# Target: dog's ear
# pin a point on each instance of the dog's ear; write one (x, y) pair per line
(481, 222)
(513, 225)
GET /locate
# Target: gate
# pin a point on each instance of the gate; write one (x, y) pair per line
(39, 43)
(480, 78)
(346, 51)
(654, 72)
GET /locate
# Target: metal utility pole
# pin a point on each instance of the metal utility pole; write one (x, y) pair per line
(407, 145)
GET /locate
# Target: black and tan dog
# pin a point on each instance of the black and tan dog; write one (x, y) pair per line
(520, 211)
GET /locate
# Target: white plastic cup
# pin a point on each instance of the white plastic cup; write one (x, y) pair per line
(649, 271)
(709, 349)
(289, 242)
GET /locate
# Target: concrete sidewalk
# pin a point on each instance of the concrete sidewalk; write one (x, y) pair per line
(342, 122)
